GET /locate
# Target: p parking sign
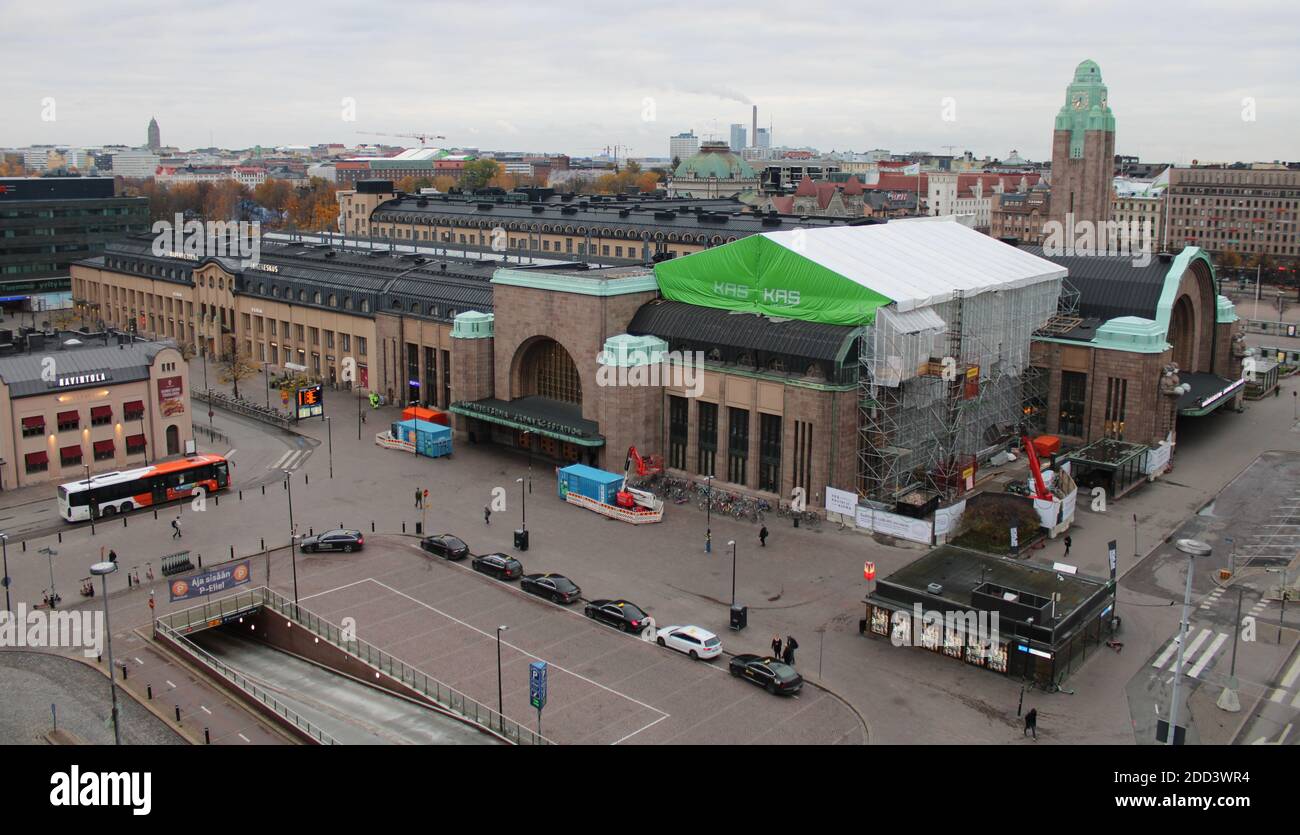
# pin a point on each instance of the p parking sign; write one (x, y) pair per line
(537, 684)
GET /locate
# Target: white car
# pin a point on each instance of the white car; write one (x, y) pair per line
(692, 640)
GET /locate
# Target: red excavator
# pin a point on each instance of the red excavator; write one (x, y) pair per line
(1040, 487)
(651, 464)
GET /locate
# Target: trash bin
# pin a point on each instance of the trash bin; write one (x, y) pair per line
(521, 539)
(739, 617)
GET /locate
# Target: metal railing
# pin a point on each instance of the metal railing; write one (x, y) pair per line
(242, 407)
(213, 435)
(190, 617)
(441, 694)
(1277, 328)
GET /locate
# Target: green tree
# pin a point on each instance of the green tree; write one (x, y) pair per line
(479, 173)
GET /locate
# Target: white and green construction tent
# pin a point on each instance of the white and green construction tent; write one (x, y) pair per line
(841, 275)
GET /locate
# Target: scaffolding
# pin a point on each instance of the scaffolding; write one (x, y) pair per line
(945, 385)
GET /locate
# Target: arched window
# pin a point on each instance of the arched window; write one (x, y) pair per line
(347, 302)
(334, 300)
(548, 371)
(316, 297)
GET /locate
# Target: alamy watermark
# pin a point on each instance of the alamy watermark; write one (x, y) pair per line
(977, 629)
(195, 240)
(676, 369)
(52, 629)
(1110, 237)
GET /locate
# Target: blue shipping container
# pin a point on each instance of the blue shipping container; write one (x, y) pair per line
(590, 482)
(430, 439)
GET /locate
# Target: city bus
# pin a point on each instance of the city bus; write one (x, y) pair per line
(119, 492)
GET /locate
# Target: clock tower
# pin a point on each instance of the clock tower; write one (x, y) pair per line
(1083, 151)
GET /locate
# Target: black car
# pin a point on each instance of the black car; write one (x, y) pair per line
(500, 566)
(768, 673)
(555, 587)
(446, 546)
(619, 614)
(335, 540)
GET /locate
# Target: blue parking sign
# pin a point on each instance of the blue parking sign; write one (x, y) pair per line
(537, 684)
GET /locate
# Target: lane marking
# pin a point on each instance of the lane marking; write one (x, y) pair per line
(169, 684)
(1292, 673)
(279, 462)
(138, 661)
(205, 710)
(1169, 650)
(1208, 654)
(241, 736)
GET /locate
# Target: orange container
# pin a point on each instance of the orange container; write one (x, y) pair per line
(420, 413)
(1047, 445)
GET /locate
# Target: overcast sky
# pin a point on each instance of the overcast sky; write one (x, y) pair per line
(577, 76)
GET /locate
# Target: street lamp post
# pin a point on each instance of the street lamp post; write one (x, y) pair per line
(708, 516)
(50, 554)
(4, 547)
(266, 375)
(501, 702)
(102, 570)
(1192, 548)
(293, 541)
(523, 507)
(329, 431)
(1281, 617)
(732, 543)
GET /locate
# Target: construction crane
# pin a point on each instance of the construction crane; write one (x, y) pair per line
(423, 137)
(629, 496)
(1034, 467)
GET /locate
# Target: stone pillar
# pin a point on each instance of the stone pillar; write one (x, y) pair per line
(471, 363)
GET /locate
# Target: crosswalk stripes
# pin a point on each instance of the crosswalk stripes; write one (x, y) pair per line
(1289, 678)
(1189, 657)
(290, 460)
(1213, 598)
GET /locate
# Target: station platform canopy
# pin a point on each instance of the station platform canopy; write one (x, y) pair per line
(842, 275)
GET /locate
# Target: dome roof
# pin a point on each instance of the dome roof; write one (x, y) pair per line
(715, 159)
(1087, 71)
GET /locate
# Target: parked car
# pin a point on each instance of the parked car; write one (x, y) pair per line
(500, 566)
(555, 587)
(619, 614)
(446, 546)
(768, 673)
(339, 539)
(696, 642)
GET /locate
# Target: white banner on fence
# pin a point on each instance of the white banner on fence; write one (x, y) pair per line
(946, 519)
(841, 501)
(1157, 458)
(1047, 511)
(893, 524)
(1071, 500)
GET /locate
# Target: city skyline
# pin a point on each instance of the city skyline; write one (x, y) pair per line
(915, 87)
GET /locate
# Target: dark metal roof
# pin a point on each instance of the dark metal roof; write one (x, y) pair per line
(24, 373)
(1110, 285)
(678, 321)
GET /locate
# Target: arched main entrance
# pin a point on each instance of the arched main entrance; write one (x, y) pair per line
(547, 370)
(1182, 332)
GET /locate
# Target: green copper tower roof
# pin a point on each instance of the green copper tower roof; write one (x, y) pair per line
(1086, 106)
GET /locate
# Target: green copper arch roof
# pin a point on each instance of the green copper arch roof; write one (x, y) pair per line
(1182, 262)
(724, 165)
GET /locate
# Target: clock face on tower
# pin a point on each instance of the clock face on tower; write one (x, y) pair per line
(1080, 99)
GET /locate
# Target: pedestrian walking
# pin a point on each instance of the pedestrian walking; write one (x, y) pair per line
(112, 556)
(1031, 723)
(176, 528)
(487, 515)
(1068, 543)
(776, 646)
(762, 536)
(418, 496)
(790, 646)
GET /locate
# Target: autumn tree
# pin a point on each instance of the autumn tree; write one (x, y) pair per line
(239, 366)
(504, 181)
(444, 183)
(273, 194)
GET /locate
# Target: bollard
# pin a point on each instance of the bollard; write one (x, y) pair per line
(149, 691)
(200, 560)
(124, 668)
(311, 531)
(217, 500)
(24, 545)
(263, 543)
(124, 521)
(403, 527)
(241, 495)
(232, 552)
(99, 659)
(207, 738)
(263, 489)
(60, 536)
(178, 713)
(372, 530)
(155, 513)
(306, 479)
